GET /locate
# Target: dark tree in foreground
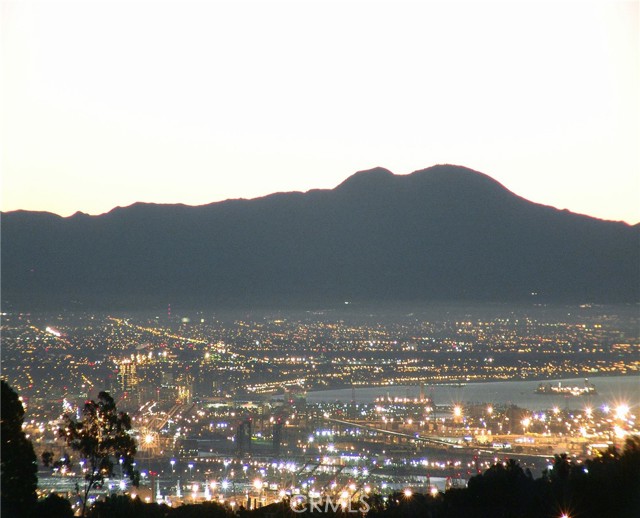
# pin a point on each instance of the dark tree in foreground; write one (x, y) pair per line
(53, 506)
(47, 458)
(62, 464)
(503, 490)
(118, 506)
(102, 440)
(19, 464)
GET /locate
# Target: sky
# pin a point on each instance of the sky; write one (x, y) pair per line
(108, 103)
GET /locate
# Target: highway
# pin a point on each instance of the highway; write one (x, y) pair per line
(418, 438)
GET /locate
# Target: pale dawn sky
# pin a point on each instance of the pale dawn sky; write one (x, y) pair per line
(109, 103)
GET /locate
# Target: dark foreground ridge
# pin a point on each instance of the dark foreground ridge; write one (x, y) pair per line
(445, 233)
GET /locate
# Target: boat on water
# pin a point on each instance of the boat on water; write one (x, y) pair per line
(588, 389)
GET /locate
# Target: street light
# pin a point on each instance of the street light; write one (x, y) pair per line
(258, 484)
(173, 465)
(122, 484)
(621, 411)
(190, 469)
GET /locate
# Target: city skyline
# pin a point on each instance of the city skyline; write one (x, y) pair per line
(264, 409)
(215, 101)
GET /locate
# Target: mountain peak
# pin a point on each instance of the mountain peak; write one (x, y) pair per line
(439, 180)
(367, 176)
(456, 173)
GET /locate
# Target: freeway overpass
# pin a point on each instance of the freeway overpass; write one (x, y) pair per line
(435, 441)
(438, 441)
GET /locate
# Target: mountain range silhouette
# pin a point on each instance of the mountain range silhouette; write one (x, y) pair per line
(446, 233)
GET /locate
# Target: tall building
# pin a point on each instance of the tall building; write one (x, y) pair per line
(127, 378)
(185, 393)
(184, 384)
(243, 438)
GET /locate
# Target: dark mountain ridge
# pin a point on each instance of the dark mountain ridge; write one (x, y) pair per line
(443, 233)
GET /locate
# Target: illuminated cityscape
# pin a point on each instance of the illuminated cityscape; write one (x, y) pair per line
(250, 411)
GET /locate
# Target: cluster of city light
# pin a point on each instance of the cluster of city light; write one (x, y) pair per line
(597, 426)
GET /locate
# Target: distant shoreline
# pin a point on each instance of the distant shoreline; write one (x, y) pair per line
(342, 386)
(522, 393)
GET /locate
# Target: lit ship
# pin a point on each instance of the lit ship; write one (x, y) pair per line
(587, 390)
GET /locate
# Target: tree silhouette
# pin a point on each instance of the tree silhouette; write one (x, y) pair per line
(54, 506)
(505, 489)
(47, 458)
(62, 464)
(19, 464)
(101, 439)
